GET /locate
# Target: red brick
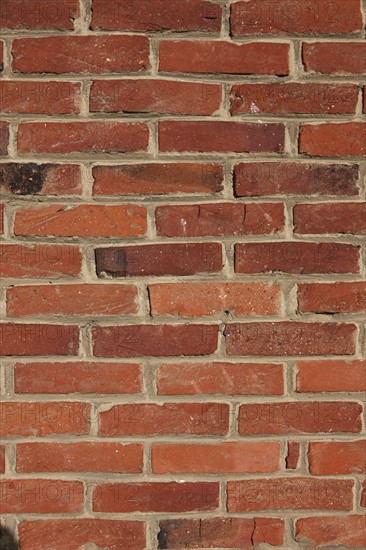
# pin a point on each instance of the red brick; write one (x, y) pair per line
(39, 260)
(331, 376)
(30, 178)
(293, 455)
(164, 419)
(155, 340)
(4, 137)
(156, 497)
(211, 298)
(2, 459)
(220, 532)
(40, 97)
(318, 532)
(293, 493)
(238, 137)
(79, 377)
(158, 179)
(332, 297)
(220, 378)
(82, 299)
(293, 98)
(178, 16)
(155, 96)
(38, 339)
(159, 259)
(337, 457)
(1, 218)
(333, 217)
(296, 257)
(333, 140)
(290, 338)
(335, 57)
(34, 15)
(86, 220)
(290, 178)
(74, 534)
(219, 219)
(79, 457)
(44, 418)
(41, 496)
(299, 417)
(82, 137)
(227, 457)
(290, 16)
(193, 56)
(81, 54)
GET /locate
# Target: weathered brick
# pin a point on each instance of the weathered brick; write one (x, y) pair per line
(327, 531)
(159, 259)
(38, 339)
(45, 179)
(331, 217)
(342, 58)
(155, 340)
(331, 376)
(333, 140)
(81, 54)
(337, 457)
(40, 97)
(332, 297)
(290, 338)
(219, 219)
(35, 15)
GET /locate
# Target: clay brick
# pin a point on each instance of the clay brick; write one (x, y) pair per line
(154, 340)
(155, 96)
(299, 417)
(331, 376)
(220, 533)
(163, 419)
(219, 219)
(291, 178)
(290, 338)
(38, 339)
(81, 54)
(193, 56)
(344, 217)
(293, 493)
(64, 534)
(178, 15)
(35, 15)
(82, 137)
(79, 457)
(332, 297)
(227, 457)
(2, 459)
(86, 220)
(296, 257)
(327, 531)
(207, 299)
(41, 496)
(39, 260)
(4, 137)
(293, 455)
(292, 17)
(40, 97)
(42, 418)
(333, 140)
(156, 497)
(337, 457)
(82, 299)
(158, 179)
(293, 98)
(220, 378)
(221, 136)
(340, 58)
(78, 377)
(159, 259)
(44, 179)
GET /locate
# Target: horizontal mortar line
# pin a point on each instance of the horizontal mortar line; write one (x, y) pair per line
(189, 155)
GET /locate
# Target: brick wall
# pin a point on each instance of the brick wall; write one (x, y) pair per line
(183, 259)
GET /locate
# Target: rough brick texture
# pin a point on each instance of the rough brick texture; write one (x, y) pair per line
(183, 223)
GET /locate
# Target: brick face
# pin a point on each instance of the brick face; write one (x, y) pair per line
(182, 221)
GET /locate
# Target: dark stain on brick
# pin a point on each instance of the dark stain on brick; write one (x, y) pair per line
(23, 179)
(162, 539)
(7, 541)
